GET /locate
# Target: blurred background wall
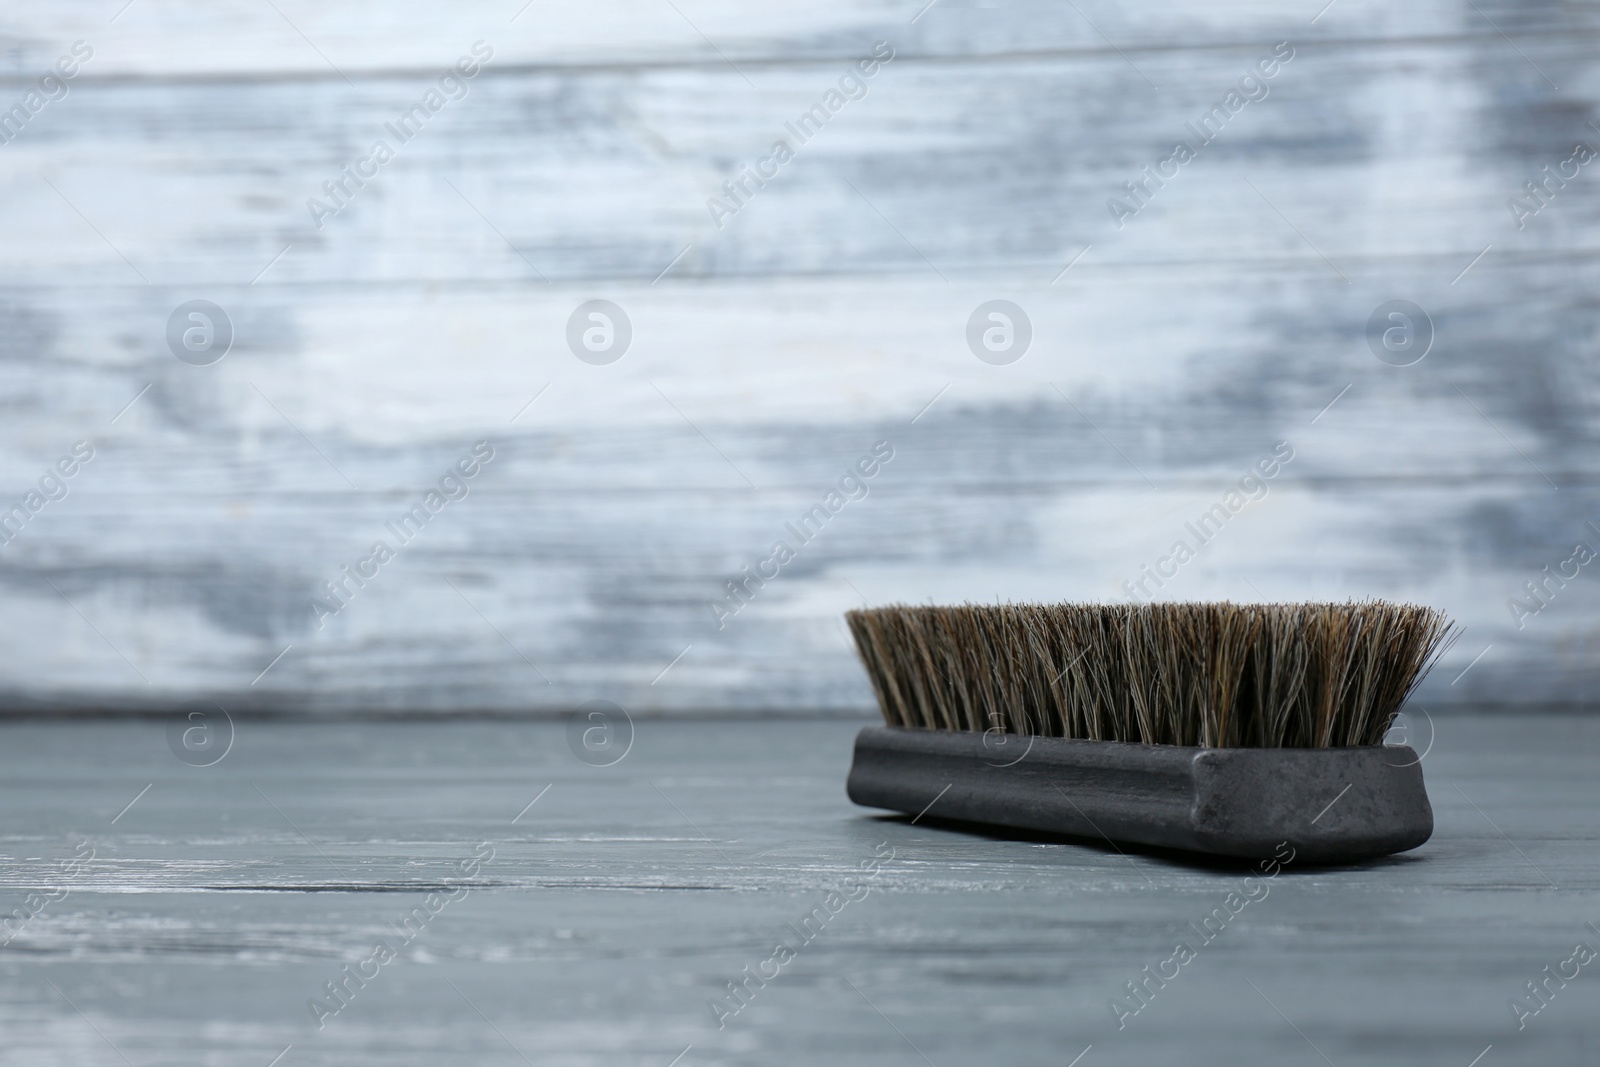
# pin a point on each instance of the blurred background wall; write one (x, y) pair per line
(773, 318)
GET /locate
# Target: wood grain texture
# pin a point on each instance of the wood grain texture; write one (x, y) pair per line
(623, 901)
(829, 313)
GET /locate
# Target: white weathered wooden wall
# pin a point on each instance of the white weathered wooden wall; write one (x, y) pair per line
(770, 354)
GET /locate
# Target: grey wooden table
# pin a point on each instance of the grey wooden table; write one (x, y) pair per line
(199, 920)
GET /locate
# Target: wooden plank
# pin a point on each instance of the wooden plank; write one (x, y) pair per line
(192, 38)
(961, 169)
(217, 503)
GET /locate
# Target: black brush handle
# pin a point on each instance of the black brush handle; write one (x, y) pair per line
(1332, 805)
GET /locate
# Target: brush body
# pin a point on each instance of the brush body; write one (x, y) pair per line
(1219, 728)
(1333, 805)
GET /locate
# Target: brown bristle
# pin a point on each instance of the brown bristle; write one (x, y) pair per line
(1212, 675)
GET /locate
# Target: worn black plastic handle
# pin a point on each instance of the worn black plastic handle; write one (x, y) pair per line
(1333, 805)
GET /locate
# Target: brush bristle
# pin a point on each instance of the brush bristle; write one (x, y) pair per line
(1211, 675)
